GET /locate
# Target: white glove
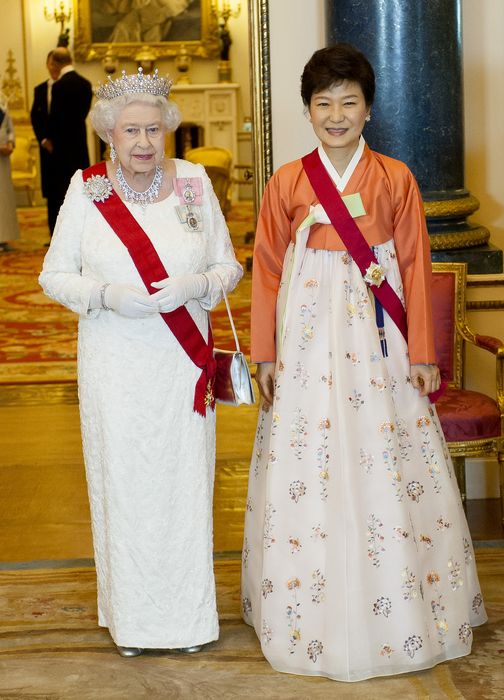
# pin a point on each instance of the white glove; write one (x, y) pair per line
(175, 291)
(126, 301)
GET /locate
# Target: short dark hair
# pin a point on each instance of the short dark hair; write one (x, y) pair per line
(333, 65)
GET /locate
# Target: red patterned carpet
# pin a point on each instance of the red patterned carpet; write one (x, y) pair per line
(38, 337)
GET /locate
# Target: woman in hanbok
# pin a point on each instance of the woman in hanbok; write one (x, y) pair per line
(357, 559)
(141, 252)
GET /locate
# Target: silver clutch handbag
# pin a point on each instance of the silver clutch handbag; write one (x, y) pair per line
(233, 383)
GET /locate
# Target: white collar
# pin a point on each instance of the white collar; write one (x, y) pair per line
(341, 181)
(66, 69)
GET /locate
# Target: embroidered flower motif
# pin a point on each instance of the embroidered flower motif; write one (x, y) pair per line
(414, 490)
(375, 539)
(378, 383)
(293, 583)
(245, 553)
(467, 550)
(268, 538)
(465, 632)
(442, 524)
(409, 590)
(295, 544)
(400, 534)
(246, 606)
(423, 421)
(266, 587)
(327, 380)
(386, 427)
(310, 284)
(412, 645)
(318, 533)
(314, 650)
(433, 578)
(323, 457)
(298, 432)
(477, 603)
(318, 587)
(455, 575)
(296, 490)
(353, 357)
(356, 400)
(441, 622)
(266, 633)
(375, 274)
(382, 606)
(302, 375)
(98, 188)
(366, 461)
(427, 541)
(386, 650)
(293, 615)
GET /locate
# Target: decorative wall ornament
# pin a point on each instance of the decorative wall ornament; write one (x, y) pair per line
(11, 85)
(99, 25)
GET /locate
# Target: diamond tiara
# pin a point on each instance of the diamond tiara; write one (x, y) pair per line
(133, 84)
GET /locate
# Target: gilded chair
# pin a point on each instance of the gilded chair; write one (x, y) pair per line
(23, 167)
(218, 164)
(473, 423)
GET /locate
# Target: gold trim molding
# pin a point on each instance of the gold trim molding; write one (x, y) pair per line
(463, 239)
(451, 208)
(261, 96)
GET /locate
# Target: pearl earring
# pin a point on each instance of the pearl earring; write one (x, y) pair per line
(368, 118)
(113, 154)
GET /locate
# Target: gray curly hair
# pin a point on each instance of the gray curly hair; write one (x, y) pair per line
(105, 113)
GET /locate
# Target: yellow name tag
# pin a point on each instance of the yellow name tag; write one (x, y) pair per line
(353, 203)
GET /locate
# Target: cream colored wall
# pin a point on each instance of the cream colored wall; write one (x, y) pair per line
(295, 33)
(483, 52)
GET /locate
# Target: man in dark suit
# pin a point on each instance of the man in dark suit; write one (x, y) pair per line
(40, 122)
(70, 104)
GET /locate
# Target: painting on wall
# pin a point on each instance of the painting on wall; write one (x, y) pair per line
(128, 25)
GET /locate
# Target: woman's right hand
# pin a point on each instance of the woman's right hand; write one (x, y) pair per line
(265, 378)
(129, 301)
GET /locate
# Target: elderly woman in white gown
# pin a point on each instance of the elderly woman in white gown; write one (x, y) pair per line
(140, 251)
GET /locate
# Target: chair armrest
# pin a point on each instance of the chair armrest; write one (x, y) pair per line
(493, 345)
(496, 347)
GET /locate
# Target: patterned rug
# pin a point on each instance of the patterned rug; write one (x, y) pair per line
(52, 648)
(38, 337)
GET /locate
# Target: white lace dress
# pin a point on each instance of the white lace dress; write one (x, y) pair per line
(149, 458)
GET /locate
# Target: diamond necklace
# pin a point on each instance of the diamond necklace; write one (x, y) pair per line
(142, 198)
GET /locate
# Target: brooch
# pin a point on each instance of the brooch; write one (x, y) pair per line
(375, 274)
(189, 190)
(98, 188)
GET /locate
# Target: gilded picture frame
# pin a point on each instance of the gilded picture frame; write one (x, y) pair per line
(128, 26)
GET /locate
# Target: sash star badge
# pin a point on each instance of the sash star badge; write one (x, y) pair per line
(98, 188)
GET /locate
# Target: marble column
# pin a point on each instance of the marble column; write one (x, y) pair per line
(415, 48)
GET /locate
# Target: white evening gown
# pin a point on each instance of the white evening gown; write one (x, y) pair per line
(357, 559)
(149, 458)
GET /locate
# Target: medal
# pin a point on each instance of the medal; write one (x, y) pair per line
(188, 194)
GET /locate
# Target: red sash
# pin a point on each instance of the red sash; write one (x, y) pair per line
(351, 236)
(151, 269)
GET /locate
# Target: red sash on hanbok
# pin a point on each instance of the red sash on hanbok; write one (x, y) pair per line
(151, 269)
(356, 244)
(352, 236)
